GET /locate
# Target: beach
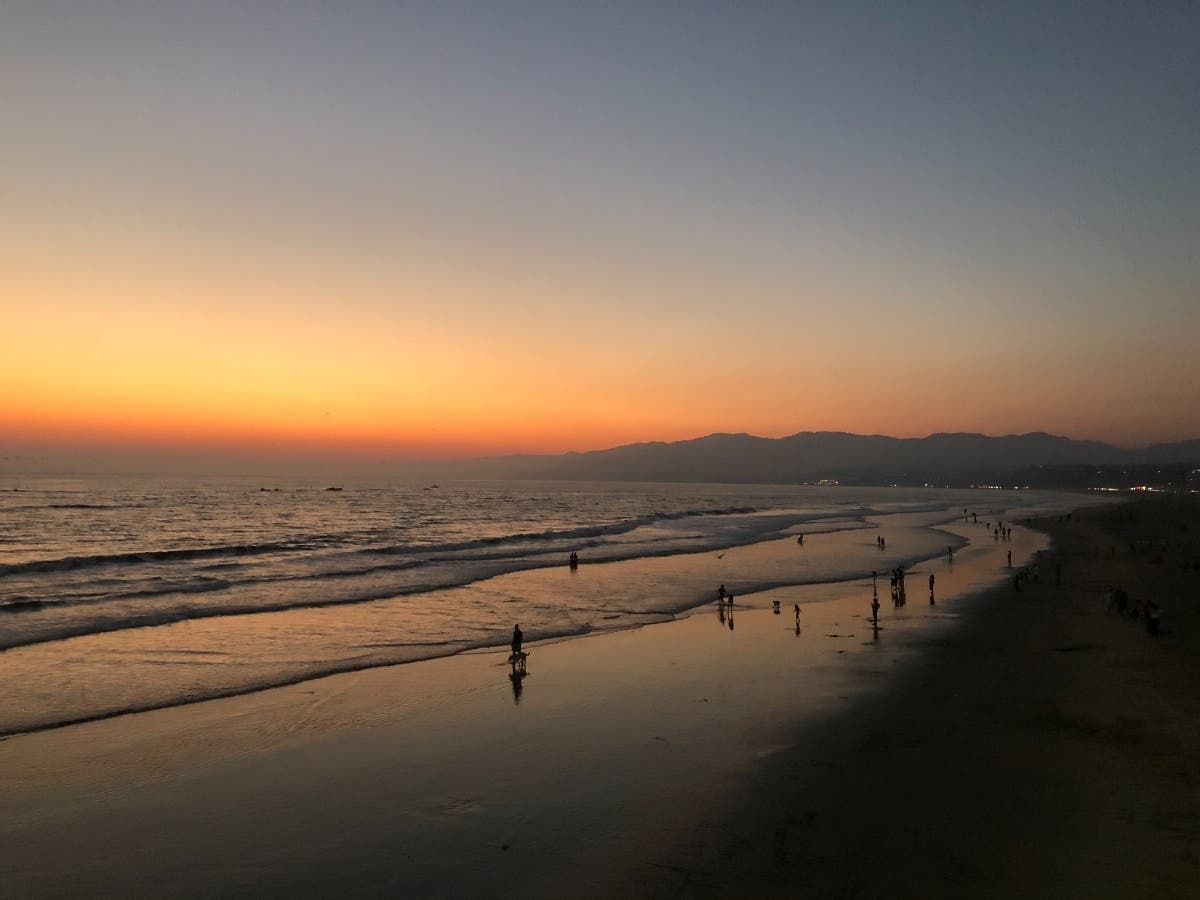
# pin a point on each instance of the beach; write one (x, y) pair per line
(1044, 747)
(987, 744)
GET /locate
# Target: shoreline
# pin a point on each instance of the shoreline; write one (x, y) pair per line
(1046, 748)
(40, 674)
(648, 728)
(681, 758)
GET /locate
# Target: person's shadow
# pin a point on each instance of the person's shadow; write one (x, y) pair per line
(517, 679)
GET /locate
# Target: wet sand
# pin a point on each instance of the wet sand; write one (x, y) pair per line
(1045, 747)
(988, 744)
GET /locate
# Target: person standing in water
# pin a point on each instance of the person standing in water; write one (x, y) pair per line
(517, 638)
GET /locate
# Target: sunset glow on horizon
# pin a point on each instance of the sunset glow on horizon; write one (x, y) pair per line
(451, 231)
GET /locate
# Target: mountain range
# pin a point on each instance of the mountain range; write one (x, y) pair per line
(810, 456)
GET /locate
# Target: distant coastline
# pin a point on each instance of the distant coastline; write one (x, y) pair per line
(962, 460)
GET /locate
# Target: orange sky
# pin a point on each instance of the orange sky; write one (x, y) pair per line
(349, 238)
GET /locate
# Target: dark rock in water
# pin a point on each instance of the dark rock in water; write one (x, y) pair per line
(333, 488)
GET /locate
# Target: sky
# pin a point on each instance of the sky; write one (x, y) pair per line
(448, 229)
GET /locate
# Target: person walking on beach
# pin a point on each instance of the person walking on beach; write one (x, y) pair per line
(1010, 559)
(1153, 618)
(517, 638)
(721, 594)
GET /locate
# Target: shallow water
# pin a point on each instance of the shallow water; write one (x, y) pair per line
(115, 603)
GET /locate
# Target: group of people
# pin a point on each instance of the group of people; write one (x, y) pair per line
(998, 532)
(1148, 612)
(899, 597)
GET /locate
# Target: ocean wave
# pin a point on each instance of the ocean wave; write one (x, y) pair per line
(583, 531)
(457, 568)
(437, 649)
(309, 543)
(96, 506)
(25, 604)
(153, 618)
(36, 506)
(68, 563)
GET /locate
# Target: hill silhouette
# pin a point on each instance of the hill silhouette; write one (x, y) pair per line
(810, 456)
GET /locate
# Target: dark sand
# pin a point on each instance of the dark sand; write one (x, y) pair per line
(1045, 747)
(992, 745)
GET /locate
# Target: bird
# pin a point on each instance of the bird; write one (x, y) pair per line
(720, 556)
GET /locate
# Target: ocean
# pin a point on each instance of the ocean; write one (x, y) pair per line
(124, 594)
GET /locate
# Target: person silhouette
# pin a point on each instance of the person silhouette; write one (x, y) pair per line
(517, 638)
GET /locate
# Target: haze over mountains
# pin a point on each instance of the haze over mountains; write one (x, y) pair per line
(838, 456)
